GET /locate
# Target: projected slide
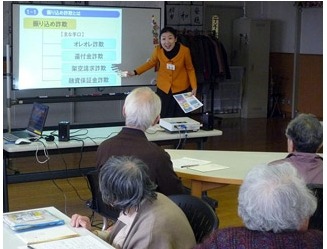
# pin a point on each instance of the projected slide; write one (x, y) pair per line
(67, 47)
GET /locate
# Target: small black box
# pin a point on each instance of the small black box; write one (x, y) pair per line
(207, 121)
(63, 131)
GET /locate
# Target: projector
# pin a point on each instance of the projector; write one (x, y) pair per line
(179, 124)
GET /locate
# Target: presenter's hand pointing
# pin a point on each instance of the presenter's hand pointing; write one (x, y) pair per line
(130, 73)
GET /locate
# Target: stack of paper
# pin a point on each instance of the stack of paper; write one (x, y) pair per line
(195, 164)
(186, 162)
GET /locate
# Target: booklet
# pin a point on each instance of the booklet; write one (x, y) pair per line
(31, 219)
(187, 102)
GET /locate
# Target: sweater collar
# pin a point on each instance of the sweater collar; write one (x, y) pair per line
(171, 54)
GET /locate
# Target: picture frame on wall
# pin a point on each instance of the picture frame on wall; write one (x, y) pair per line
(186, 14)
(172, 14)
(178, 14)
(196, 15)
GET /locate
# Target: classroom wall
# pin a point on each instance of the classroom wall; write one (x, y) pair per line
(309, 93)
(283, 33)
(284, 24)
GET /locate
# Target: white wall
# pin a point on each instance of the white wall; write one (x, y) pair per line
(282, 15)
(312, 31)
(283, 26)
(283, 23)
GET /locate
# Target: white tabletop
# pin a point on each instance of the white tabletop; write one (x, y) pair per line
(12, 241)
(238, 163)
(94, 136)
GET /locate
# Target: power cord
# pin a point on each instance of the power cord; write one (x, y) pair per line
(180, 128)
(185, 136)
(79, 167)
(45, 152)
(49, 170)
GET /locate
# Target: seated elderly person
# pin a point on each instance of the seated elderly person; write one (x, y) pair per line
(304, 138)
(148, 219)
(141, 110)
(275, 206)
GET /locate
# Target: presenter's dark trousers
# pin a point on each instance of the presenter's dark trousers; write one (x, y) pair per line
(169, 106)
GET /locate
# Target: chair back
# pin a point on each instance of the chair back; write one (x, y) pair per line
(316, 220)
(96, 203)
(200, 214)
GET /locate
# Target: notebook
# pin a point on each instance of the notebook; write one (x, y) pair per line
(35, 125)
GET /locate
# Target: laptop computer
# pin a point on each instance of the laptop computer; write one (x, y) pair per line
(35, 125)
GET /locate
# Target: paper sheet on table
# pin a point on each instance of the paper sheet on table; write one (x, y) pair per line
(208, 167)
(47, 234)
(187, 161)
(85, 242)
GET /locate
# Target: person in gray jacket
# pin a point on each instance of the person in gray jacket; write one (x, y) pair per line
(148, 219)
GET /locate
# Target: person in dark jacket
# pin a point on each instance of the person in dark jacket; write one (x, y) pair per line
(141, 110)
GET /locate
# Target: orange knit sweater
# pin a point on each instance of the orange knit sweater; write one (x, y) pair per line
(179, 79)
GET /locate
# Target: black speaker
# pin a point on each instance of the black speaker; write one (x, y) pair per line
(63, 131)
(207, 121)
(49, 138)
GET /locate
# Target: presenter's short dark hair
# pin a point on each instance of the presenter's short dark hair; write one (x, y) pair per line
(168, 29)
